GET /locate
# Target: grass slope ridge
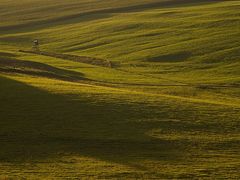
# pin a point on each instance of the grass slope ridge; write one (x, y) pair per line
(168, 110)
(82, 59)
(103, 8)
(200, 39)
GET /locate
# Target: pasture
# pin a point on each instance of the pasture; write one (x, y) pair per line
(166, 108)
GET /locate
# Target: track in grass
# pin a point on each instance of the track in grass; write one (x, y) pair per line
(168, 108)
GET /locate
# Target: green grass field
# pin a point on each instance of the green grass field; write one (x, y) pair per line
(168, 108)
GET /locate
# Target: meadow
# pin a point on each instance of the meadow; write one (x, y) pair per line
(167, 108)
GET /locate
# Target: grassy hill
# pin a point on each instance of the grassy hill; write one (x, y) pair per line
(168, 107)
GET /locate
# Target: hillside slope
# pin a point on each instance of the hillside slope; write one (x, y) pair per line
(178, 39)
(167, 106)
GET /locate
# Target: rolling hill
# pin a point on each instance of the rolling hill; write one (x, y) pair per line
(120, 89)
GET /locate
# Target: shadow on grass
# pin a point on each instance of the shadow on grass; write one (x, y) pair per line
(176, 57)
(101, 14)
(11, 65)
(6, 54)
(38, 125)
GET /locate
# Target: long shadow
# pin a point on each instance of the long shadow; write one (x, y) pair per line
(8, 55)
(75, 58)
(12, 65)
(38, 125)
(102, 13)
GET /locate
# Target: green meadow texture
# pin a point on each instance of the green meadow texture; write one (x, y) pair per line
(120, 89)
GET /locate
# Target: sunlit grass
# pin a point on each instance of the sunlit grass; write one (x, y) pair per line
(168, 109)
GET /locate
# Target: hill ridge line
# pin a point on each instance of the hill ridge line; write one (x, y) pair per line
(75, 58)
(124, 9)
